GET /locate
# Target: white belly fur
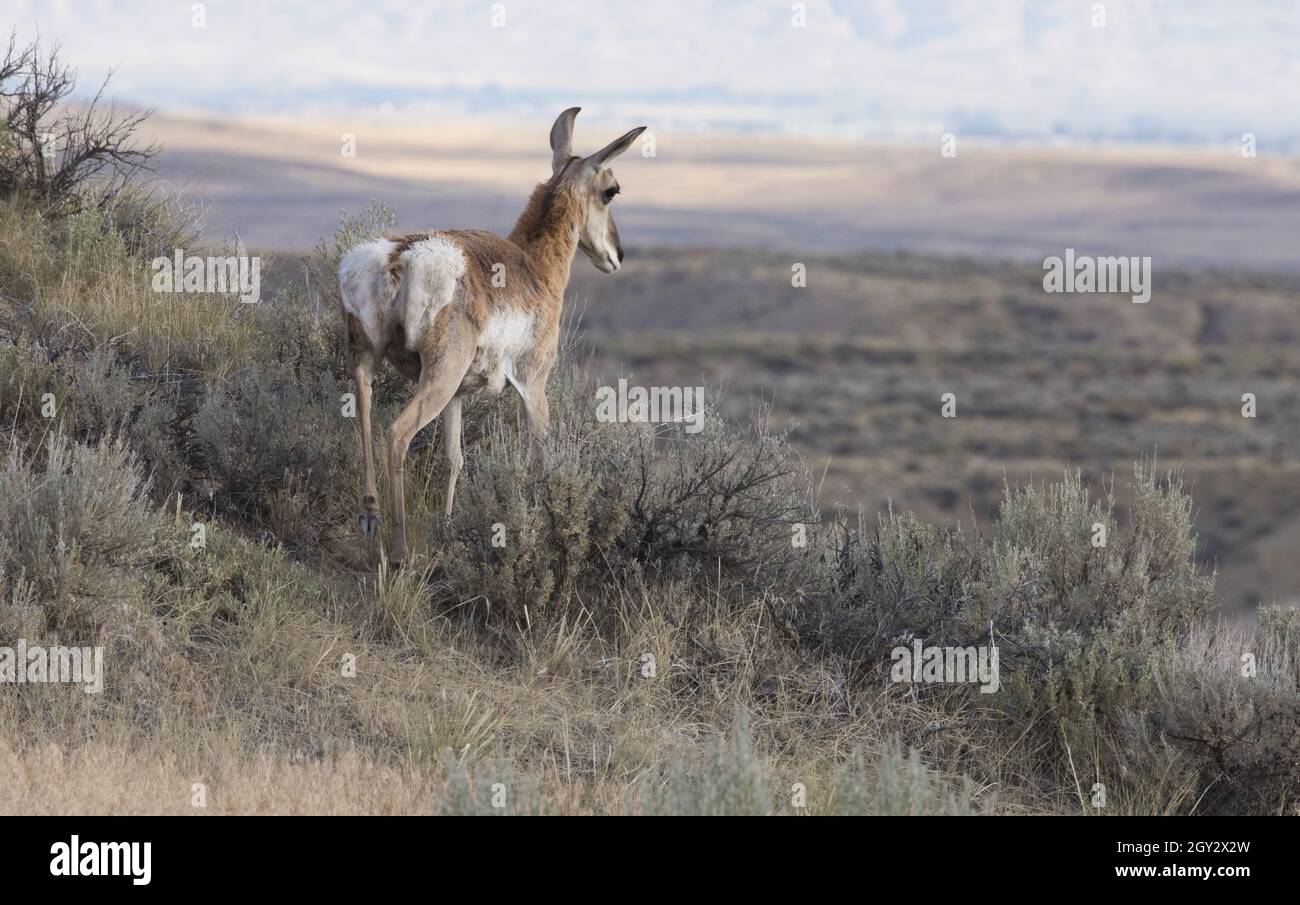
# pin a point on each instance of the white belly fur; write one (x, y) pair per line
(505, 336)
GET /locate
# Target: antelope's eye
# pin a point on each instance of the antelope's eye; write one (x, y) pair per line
(610, 193)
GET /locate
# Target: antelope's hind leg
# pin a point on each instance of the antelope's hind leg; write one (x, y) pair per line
(364, 361)
(440, 378)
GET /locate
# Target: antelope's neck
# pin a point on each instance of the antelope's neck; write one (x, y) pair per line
(548, 231)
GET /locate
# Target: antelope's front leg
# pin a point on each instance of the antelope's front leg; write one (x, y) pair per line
(538, 409)
(455, 456)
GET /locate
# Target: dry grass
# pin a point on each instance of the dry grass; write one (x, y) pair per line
(98, 296)
(100, 778)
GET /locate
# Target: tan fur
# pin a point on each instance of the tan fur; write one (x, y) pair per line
(485, 334)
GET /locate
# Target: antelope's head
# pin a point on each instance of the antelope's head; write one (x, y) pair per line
(593, 185)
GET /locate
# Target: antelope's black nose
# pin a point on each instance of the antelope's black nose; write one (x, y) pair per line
(620, 254)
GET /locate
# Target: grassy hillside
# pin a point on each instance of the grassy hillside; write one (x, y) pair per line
(649, 639)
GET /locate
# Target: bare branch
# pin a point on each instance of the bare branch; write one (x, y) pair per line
(64, 156)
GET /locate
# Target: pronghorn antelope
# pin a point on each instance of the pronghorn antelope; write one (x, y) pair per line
(464, 310)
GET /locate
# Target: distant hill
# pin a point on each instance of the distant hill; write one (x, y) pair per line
(281, 184)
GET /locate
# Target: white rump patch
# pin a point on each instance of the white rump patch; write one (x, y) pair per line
(434, 268)
(366, 289)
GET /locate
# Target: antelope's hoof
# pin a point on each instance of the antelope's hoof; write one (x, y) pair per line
(368, 522)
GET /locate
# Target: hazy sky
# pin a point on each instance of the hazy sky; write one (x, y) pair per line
(1161, 71)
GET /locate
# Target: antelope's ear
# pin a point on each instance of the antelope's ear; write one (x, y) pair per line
(562, 138)
(614, 148)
